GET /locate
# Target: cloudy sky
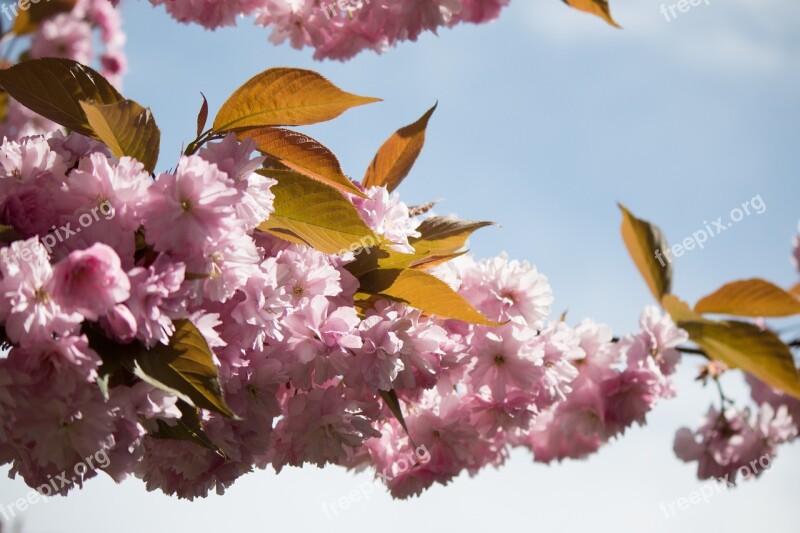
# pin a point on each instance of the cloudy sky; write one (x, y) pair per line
(546, 119)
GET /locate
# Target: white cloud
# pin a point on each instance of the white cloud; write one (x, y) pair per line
(734, 37)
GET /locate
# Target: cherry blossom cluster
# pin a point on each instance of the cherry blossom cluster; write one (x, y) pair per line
(306, 370)
(73, 35)
(338, 29)
(729, 441)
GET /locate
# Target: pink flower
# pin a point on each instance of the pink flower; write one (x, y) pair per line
(63, 36)
(658, 340)
(730, 443)
(630, 396)
(262, 307)
(114, 64)
(420, 344)
(29, 173)
(210, 13)
(30, 160)
(306, 273)
(120, 188)
(478, 11)
(74, 147)
(226, 265)
(378, 362)
(505, 358)
(233, 158)
(184, 469)
(29, 210)
(150, 302)
(91, 282)
(762, 393)
(188, 209)
(509, 290)
(387, 216)
(30, 308)
(45, 361)
(319, 337)
(322, 426)
(120, 323)
(21, 122)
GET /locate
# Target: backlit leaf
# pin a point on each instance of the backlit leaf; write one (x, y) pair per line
(595, 7)
(680, 310)
(302, 154)
(285, 97)
(185, 368)
(419, 289)
(795, 290)
(746, 346)
(202, 116)
(393, 403)
(751, 297)
(311, 213)
(397, 155)
(441, 239)
(55, 88)
(445, 235)
(127, 128)
(644, 242)
(188, 427)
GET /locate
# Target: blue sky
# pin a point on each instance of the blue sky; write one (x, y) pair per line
(546, 119)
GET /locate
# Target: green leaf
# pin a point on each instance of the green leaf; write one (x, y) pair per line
(29, 19)
(680, 310)
(644, 241)
(311, 213)
(421, 290)
(746, 346)
(54, 88)
(117, 359)
(393, 403)
(302, 154)
(445, 235)
(285, 97)
(188, 428)
(750, 297)
(202, 116)
(398, 154)
(441, 239)
(382, 258)
(3, 105)
(185, 368)
(8, 234)
(127, 128)
(595, 7)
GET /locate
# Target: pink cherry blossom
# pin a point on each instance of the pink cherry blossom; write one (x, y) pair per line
(91, 282)
(63, 36)
(189, 208)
